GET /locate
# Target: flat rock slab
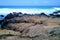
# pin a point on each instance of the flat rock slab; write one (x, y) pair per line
(15, 38)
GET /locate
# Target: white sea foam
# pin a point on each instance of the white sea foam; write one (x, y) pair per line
(57, 8)
(29, 11)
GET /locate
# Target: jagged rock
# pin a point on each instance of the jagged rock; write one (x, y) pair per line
(2, 15)
(34, 31)
(1, 18)
(43, 15)
(9, 16)
(19, 26)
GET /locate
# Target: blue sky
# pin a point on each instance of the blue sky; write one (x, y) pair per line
(29, 2)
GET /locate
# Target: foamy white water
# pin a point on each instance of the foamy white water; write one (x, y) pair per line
(28, 11)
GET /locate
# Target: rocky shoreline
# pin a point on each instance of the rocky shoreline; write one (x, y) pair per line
(19, 26)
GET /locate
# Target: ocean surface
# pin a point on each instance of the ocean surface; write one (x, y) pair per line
(28, 9)
(4, 10)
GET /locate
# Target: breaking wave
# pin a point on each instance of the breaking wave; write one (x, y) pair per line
(28, 10)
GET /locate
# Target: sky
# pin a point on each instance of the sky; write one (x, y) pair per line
(29, 2)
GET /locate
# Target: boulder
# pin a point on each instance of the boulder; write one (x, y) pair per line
(19, 26)
(34, 31)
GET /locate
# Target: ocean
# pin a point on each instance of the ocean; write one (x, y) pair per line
(4, 10)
